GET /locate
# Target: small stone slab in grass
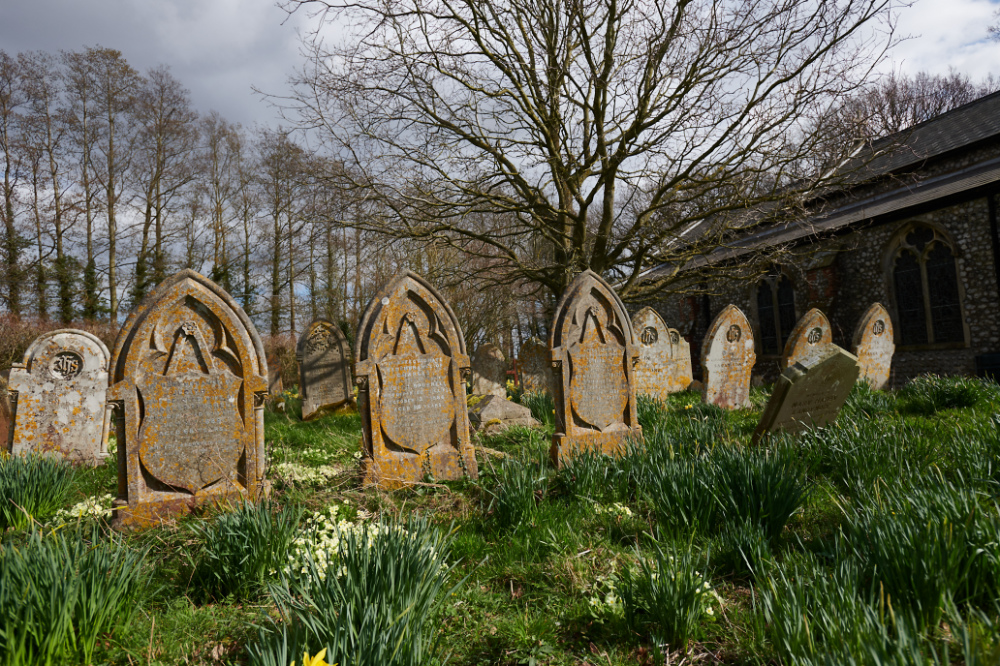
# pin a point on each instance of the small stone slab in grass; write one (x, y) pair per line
(492, 414)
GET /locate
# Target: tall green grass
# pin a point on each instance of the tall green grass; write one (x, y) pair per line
(32, 488)
(542, 406)
(515, 488)
(929, 394)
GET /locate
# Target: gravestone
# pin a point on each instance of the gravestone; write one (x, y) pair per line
(664, 356)
(810, 338)
(189, 377)
(809, 393)
(411, 367)
(275, 384)
(324, 369)
(61, 397)
(489, 371)
(534, 367)
(491, 414)
(593, 354)
(874, 346)
(727, 359)
(6, 416)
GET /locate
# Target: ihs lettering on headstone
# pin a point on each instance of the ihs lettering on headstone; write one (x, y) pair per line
(593, 350)
(534, 367)
(190, 377)
(728, 358)
(874, 346)
(324, 369)
(489, 371)
(809, 339)
(61, 397)
(411, 366)
(664, 356)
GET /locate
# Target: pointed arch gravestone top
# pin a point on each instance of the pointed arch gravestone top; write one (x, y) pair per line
(189, 376)
(534, 367)
(61, 397)
(594, 354)
(874, 345)
(728, 358)
(664, 356)
(324, 368)
(411, 362)
(489, 371)
(809, 339)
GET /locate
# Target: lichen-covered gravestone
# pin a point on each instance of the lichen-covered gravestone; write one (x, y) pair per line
(411, 365)
(664, 356)
(809, 339)
(874, 346)
(534, 367)
(809, 393)
(324, 369)
(593, 350)
(728, 358)
(489, 371)
(189, 375)
(61, 397)
(6, 415)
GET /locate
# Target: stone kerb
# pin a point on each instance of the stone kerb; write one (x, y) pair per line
(324, 369)
(728, 358)
(809, 339)
(593, 353)
(535, 367)
(810, 393)
(874, 345)
(410, 364)
(489, 371)
(189, 376)
(664, 356)
(61, 397)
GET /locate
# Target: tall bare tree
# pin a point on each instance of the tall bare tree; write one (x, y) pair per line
(12, 100)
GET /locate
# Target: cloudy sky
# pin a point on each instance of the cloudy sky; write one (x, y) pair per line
(221, 49)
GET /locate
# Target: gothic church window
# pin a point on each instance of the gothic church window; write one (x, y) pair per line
(925, 281)
(775, 311)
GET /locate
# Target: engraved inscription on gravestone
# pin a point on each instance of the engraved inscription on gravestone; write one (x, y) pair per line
(728, 358)
(664, 356)
(324, 368)
(874, 346)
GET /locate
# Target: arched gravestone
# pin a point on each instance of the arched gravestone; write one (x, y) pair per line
(61, 397)
(324, 368)
(489, 371)
(534, 367)
(593, 355)
(6, 416)
(874, 346)
(809, 339)
(727, 359)
(410, 367)
(189, 375)
(664, 356)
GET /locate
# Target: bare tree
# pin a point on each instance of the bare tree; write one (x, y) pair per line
(12, 99)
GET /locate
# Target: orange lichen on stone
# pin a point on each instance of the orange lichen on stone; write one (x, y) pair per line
(809, 339)
(411, 364)
(664, 356)
(874, 346)
(324, 369)
(189, 377)
(593, 355)
(728, 358)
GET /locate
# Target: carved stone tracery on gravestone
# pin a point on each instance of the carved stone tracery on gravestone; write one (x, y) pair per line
(190, 376)
(593, 354)
(411, 362)
(809, 339)
(728, 358)
(324, 368)
(874, 345)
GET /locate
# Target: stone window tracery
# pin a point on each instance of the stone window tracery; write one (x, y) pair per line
(925, 283)
(775, 311)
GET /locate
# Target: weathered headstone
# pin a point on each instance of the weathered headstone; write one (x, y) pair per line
(324, 369)
(61, 393)
(491, 414)
(664, 356)
(6, 416)
(594, 353)
(809, 393)
(809, 339)
(874, 346)
(275, 384)
(189, 376)
(489, 371)
(535, 367)
(410, 369)
(727, 359)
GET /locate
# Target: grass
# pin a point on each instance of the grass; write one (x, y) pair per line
(873, 540)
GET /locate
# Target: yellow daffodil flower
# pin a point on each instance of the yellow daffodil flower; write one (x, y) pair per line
(318, 660)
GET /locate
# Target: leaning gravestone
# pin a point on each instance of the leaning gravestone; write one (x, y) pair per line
(874, 346)
(593, 352)
(61, 393)
(810, 393)
(535, 367)
(6, 416)
(189, 376)
(728, 358)
(410, 369)
(664, 356)
(809, 339)
(489, 371)
(324, 369)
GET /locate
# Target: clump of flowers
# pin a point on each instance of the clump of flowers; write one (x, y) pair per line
(304, 475)
(618, 511)
(92, 507)
(604, 599)
(321, 534)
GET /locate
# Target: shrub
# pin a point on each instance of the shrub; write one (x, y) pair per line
(60, 592)
(379, 609)
(32, 487)
(241, 549)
